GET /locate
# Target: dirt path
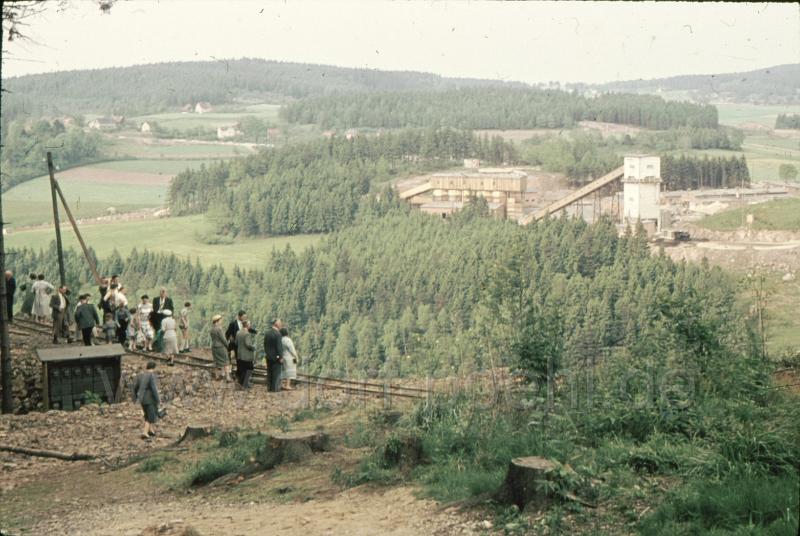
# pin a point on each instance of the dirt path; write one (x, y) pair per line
(393, 511)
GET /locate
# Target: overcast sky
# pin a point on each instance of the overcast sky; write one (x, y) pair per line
(526, 41)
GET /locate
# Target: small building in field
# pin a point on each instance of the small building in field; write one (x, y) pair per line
(350, 133)
(329, 134)
(472, 163)
(186, 108)
(146, 128)
(224, 133)
(102, 123)
(203, 107)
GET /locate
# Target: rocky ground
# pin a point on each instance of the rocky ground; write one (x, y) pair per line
(107, 496)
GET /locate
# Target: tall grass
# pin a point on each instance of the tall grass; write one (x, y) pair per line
(742, 505)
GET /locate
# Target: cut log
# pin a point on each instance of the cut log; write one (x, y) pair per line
(48, 453)
(523, 484)
(192, 433)
(295, 446)
(404, 451)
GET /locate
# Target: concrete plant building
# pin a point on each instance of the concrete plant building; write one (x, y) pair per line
(445, 193)
(642, 191)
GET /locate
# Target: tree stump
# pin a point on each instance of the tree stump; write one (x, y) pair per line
(521, 486)
(403, 451)
(294, 446)
(192, 433)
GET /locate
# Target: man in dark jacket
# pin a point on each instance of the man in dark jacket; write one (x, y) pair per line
(246, 352)
(233, 328)
(11, 288)
(160, 304)
(87, 318)
(59, 304)
(274, 349)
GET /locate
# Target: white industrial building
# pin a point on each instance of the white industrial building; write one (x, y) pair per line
(641, 191)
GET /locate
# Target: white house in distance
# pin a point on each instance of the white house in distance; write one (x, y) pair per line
(203, 107)
(146, 128)
(102, 123)
(641, 191)
(224, 133)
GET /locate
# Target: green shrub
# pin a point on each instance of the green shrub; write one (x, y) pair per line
(361, 435)
(237, 453)
(763, 505)
(90, 397)
(211, 468)
(281, 423)
(154, 463)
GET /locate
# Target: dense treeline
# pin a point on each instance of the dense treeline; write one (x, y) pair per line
(773, 85)
(788, 121)
(584, 156)
(317, 186)
(691, 172)
(500, 108)
(25, 146)
(401, 292)
(158, 87)
(684, 138)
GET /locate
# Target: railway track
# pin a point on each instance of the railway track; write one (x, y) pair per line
(259, 377)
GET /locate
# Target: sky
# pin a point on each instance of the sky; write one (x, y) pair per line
(526, 41)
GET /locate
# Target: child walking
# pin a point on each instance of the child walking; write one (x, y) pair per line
(109, 328)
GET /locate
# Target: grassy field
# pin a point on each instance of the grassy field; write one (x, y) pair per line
(778, 215)
(735, 114)
(783, 322)
(157, 166)
(174, 235)
(30, 203)
(136, 149)
(183, 121)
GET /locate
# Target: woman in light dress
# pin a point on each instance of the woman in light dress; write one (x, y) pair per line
(219, 350)
(290, 360)
(41, 301)
(183, 324)
(170, 337)
(145, 333)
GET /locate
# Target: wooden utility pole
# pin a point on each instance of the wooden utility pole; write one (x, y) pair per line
(5, 343)
(89, 259)
(60, 250)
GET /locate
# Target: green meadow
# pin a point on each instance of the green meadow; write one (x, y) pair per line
(30, 203)
(735, 114)
(778, 215)
(136, 148)
(181, 236)
(155, 166)
(214, 119)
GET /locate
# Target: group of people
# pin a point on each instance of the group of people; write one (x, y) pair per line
(143, 325)
(152, 326)
(238, 342)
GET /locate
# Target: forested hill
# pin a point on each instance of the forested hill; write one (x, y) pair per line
(156, 87)
(775, 85)
(500, 108)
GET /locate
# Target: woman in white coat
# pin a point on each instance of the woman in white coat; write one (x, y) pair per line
(41, 301)
(290, 360)
(170, 344)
